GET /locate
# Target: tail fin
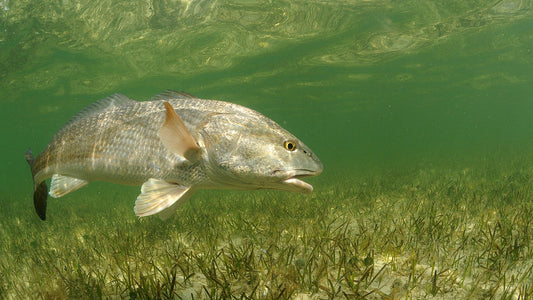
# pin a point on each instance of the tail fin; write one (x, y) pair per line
(40, 190)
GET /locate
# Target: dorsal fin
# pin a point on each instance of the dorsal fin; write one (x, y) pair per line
(101, 105)
(170, 94)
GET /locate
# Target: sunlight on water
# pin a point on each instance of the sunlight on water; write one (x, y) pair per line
(350, 59)
(185, 38)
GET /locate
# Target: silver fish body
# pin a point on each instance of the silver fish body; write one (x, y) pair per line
(171, 145)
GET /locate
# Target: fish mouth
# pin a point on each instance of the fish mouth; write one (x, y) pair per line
(291, 180)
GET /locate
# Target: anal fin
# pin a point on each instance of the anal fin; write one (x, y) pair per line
(62, 185)
(160, 196)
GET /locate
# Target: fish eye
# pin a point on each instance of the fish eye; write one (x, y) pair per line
(289, 145)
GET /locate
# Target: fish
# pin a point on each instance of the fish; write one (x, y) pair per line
(171, 146)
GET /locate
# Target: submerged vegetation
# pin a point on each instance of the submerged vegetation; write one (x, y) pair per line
(414, 232)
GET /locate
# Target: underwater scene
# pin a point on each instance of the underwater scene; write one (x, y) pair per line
(421, 113)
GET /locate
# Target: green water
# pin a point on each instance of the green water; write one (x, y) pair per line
(358, 81)
(371, 86)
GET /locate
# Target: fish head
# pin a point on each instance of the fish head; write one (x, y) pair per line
(254, 152)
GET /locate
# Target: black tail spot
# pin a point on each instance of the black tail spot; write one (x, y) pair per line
(41, 191)
(39, 200)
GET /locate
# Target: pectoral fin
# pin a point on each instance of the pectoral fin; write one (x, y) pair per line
(62, 185)
(159, 196)
(176, 137)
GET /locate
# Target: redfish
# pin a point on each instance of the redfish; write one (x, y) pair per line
(171, 145)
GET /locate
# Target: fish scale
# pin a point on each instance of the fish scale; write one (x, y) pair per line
(172, 145)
